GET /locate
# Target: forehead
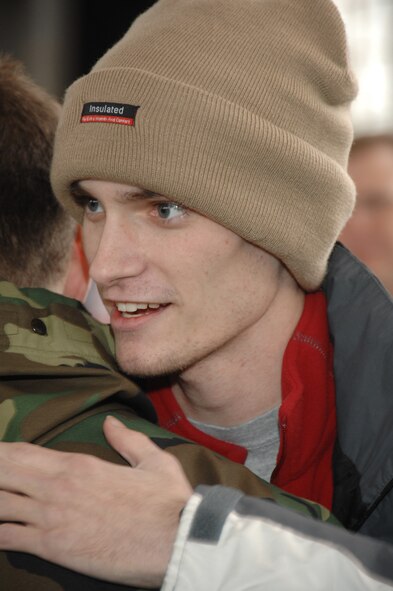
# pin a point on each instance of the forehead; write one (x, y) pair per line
(99, 188)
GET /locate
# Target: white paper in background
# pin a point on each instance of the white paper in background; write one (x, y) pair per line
(94, 305)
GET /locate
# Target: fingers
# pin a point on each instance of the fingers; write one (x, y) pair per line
(21, 479)
(68, 521)
(27, 469)
(41, 473)
(19, 538)
(135, 447)
(34, 456)
(14, 507)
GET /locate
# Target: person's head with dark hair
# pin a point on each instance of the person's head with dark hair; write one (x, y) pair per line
(369, 232)
(36, 234)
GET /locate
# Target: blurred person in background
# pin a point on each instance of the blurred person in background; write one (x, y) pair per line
(369, 232)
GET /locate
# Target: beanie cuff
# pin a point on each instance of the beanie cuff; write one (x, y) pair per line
(211, 155)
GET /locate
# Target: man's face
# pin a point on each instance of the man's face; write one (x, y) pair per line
(369, 233)
(178, 286)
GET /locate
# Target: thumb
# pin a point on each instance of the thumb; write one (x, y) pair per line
(133, 446)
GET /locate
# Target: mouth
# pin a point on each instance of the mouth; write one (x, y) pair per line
(137, 309)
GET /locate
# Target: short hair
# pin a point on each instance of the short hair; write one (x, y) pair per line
(35, 231)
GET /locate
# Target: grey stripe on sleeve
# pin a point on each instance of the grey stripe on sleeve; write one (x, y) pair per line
(371, 554)
(212, 512)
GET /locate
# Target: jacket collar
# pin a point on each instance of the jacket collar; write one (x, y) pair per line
(360, 313)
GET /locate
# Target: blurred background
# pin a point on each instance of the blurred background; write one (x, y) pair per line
(60, 40)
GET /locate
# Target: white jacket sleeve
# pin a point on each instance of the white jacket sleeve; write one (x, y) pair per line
(231, 542)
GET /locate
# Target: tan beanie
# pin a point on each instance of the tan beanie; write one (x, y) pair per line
(238, 109)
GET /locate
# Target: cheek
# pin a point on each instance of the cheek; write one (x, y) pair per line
(90, 239)
(238, 277)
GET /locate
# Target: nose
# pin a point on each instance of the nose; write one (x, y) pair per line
(114, 251)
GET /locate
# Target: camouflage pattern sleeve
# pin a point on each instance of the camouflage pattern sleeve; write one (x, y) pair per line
(58, 381)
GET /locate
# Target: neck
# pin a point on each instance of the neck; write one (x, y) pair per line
(243, 379)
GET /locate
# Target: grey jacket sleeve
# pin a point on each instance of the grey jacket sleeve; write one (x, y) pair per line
(231, 542)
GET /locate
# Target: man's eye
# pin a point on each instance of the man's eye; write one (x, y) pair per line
(168, 211)
(93, 206)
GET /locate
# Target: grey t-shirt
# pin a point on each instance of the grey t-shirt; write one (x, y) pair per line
(260, 436)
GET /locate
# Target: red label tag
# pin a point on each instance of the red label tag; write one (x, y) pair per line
(118, 113)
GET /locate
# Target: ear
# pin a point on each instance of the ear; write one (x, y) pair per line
(77, 277)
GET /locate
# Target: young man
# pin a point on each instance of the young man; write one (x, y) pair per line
(58, 377)
(205, 154)
(369, 232)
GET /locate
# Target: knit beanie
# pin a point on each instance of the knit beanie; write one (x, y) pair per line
(237, 109)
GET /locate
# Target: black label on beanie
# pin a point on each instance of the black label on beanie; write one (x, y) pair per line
(109, 113)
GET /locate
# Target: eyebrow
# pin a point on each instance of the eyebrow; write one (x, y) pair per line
(78, 191)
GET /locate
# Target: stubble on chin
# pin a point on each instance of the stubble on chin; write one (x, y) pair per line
(171, 358)
(146, 366)
(159, 364)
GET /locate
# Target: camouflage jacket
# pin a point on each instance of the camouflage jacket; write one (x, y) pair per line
(58, 381)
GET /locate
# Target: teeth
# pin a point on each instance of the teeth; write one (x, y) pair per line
(131, 307)
(127, 307)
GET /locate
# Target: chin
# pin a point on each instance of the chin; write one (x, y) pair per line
(143, 368)
(159, 363)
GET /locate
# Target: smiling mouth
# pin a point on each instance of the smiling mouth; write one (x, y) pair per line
(134, 310)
